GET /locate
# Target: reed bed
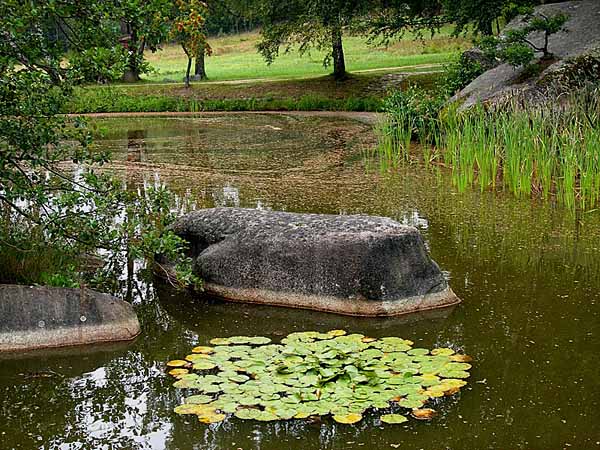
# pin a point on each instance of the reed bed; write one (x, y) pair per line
(550, 150)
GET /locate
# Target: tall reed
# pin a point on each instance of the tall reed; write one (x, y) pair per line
(547, 150)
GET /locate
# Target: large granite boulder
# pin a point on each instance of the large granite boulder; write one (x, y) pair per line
(573, 50)
(42, 317)
(358, 265)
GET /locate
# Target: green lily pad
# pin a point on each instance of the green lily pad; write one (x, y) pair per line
(199, 399)
(204, 365)
(455, 374)
(410, 403)
(393, 418)
(314, 373)
(247, 413)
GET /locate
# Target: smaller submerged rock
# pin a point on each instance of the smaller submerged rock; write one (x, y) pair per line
(43, 317)
(357, 265)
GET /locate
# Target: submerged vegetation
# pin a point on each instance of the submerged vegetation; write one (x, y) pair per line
(551, 150)
(316, 374)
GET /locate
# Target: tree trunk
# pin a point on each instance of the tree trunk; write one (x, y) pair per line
(136, 52)
(200, 68)
(132, 73)
(187, 73)
(339, 65)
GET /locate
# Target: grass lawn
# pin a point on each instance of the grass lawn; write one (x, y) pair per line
(239, 79)
(235, 58)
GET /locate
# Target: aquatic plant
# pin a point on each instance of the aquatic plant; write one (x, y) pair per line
(315, 374)
(546, 150)
(542, 151)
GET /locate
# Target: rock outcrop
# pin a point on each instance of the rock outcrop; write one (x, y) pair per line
(42, 317)
(571, 48)
(357, 265)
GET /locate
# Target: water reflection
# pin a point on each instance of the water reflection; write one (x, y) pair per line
(527, 272)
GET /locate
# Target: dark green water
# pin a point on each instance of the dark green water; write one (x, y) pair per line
(528, 272)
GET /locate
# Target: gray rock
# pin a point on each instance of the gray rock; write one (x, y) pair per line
(477, 56)
(358, 265)
(504, 82)
(42, 317)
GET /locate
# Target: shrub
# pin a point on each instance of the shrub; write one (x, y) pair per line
(99, 65)
(459, 74)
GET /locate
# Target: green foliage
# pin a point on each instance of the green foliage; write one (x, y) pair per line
(481, 14)
(147, 24)
(66, 279)
(459, 74)
(415, 111)
(315, 374)
(100, 100)
(515, 47)
(99, 64)
(321, 24)
(54, 198)
(188, 30)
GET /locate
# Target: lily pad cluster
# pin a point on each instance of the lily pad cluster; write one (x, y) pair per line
(315, 374)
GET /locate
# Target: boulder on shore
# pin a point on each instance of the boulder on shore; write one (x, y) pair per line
(357, 265)
(35, 317)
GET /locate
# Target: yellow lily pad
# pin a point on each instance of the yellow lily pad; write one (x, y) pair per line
(212, 418)
(190, 408)
(336, 333)
(177, 372)
(203, 349)
(461, 358)
(348, 418)
(423, 413)
(177, 363)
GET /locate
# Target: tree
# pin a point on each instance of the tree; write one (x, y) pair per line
(53, 198)
(482, 14)
(515, 46)
(308, 24)
(144, 24)
(188, 30)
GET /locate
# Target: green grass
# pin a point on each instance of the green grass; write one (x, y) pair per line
(235, 58)
(110, 100)
(358, 93)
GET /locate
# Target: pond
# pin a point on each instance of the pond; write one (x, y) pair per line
(528, 273)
